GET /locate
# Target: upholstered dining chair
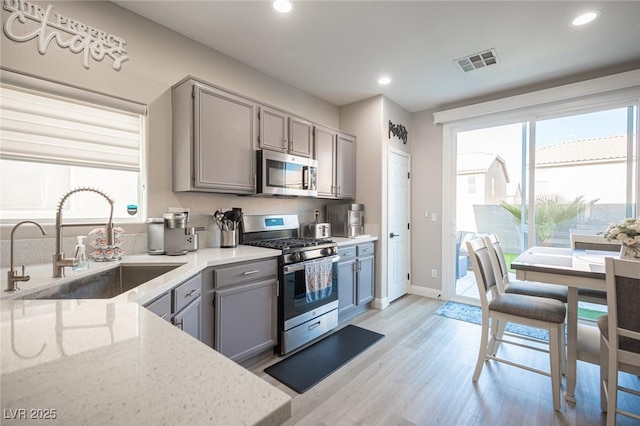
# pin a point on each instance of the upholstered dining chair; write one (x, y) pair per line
(619, 334)
(593, 242)
(530, 288)
(497, 307)
(509, 285)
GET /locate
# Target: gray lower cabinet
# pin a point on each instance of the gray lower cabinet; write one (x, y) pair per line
(188, 319)
(356, 276)
(182, 306)
(245, 309)
(161, 306)
(214, 136)
(336, 155)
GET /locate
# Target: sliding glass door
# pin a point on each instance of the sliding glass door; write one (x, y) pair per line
(584, 174)
(535, 182)
(490, 167)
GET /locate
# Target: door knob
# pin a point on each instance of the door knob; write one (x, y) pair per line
(391, 235)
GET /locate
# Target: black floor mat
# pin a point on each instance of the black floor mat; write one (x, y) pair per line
(304, 369)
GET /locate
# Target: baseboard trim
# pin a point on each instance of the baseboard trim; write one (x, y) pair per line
(380, 303)
(426, 292)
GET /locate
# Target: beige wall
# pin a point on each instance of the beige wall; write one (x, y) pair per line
(369, 119)
(160, 58)
(426, 196)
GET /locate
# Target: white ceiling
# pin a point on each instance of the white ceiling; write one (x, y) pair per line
(336, 50)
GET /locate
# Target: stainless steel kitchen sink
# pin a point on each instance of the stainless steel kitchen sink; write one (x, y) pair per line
(105, 284)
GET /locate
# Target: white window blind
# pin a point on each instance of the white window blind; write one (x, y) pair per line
(44, 128)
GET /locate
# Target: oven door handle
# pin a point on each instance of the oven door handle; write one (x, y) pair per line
(300, 266)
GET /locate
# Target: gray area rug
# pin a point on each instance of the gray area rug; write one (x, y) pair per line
(473, 314)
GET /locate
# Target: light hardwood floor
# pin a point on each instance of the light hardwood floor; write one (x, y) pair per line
(420, 374)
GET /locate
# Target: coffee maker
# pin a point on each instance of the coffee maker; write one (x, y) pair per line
(347, 220)
(170, 235)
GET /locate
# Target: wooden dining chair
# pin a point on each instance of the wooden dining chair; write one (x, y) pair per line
(619, 335)
(509, 285)
(593, 242)
(498, 307)
(530, 288)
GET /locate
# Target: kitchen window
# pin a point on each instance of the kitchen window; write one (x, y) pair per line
(56, 138)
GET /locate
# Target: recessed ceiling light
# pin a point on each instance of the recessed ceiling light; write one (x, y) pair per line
(384, 80)
(282, 6)
(585, 18)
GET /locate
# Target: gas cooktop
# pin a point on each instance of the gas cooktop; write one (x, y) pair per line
(290, 243)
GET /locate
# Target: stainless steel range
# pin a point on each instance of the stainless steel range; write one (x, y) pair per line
(308, 291)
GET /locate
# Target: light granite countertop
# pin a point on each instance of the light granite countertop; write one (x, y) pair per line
(113, 362)
(344, 241)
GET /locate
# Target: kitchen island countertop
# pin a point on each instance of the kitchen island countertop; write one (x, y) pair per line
(113, 362)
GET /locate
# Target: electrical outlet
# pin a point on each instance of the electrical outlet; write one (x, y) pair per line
(434, 217)
(316, 214)
(434, 273)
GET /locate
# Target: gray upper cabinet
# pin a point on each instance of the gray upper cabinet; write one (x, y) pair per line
(273, 130)
(283, 132)
(335, 153)
(214, 135)
(326, 154)
(346, 166)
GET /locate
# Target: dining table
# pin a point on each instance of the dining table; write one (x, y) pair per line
(574, 269)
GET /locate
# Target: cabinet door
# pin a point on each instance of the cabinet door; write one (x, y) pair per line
(188, 319)
(273, 129)
(346, 285)
(365, 279)
(225, 136)
(300, 137)
(346, 166)
(161, 306)
(325, 146)
(245, 319)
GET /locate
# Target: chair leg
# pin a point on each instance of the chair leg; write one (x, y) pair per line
(497, 332)
(612, 387)
(604, 373)
(554, 360)
(482, 352)
(563, 348)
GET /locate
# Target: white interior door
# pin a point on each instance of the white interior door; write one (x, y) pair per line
(398, 267)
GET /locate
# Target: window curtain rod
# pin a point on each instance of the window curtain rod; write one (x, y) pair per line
(27, 81)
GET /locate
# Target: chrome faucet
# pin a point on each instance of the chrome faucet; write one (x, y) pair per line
(59, 261)
(12, 276)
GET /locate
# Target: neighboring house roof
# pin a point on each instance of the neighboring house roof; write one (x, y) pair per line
(469, 163)
(596, 150)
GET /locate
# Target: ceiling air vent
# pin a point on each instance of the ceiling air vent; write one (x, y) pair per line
(478, 60)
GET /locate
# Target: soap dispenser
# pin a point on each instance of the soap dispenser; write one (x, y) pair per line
(81, 255)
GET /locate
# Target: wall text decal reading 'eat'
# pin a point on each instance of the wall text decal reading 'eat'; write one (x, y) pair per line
(28, 21)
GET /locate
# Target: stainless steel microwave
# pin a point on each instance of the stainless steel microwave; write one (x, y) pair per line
(284, 174)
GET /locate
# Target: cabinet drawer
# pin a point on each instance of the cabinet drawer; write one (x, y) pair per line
(245, 272)
(186, 292)
(161, 306)
(346, 253)
(367, 249)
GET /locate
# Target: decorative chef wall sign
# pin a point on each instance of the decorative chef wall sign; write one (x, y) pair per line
(399, 131)
(28, 21)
